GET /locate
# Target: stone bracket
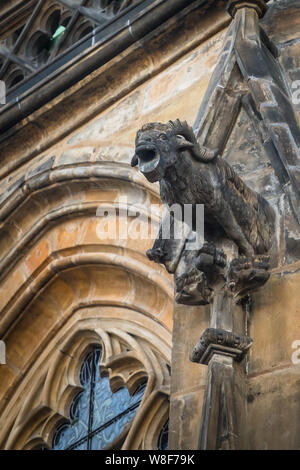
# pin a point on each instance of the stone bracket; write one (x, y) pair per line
(218, 341)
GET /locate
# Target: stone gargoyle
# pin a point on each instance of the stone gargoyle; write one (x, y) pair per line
(189, 173)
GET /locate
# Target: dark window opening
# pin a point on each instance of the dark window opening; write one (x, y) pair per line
(39, 48)
(85, 32)
(16, 34)
(53, 22)
(66, 21)
(15, 78)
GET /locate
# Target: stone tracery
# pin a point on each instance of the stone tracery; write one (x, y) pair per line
(128, 359)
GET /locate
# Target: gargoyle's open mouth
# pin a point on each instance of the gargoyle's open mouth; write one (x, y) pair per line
(145, 152)
(148, 161)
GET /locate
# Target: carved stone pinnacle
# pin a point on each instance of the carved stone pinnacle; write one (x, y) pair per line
(259, 5)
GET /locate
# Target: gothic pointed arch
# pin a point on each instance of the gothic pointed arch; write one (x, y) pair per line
(131, 356)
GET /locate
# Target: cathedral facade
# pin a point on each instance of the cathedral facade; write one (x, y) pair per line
(96, 338)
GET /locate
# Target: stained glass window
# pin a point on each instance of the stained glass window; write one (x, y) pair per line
(97, 415)
(163, 437)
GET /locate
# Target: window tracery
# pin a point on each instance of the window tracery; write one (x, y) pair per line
(134, 373)
(53, 28)
(97, 415)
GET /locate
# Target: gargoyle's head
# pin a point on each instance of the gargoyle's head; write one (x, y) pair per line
(158, 146)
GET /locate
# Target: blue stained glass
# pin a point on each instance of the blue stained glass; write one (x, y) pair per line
(97, 415)
(164, 437)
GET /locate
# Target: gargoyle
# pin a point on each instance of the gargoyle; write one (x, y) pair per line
(189, 173)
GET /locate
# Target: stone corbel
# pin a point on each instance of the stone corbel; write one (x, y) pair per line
(218, 341)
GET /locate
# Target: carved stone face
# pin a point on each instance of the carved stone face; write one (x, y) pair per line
(158, 147)
(155, 151)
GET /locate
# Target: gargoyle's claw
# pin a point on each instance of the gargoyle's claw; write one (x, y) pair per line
(209, 256)
(157, 255)
(246, 275)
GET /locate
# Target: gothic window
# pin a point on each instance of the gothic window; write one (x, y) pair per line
(97, 415)
(98, 399)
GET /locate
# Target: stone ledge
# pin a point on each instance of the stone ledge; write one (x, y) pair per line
(218, 341)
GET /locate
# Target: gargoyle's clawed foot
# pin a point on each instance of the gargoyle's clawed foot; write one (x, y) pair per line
(209, 256)
(247, 274)
(156, 254)
(192, 289)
